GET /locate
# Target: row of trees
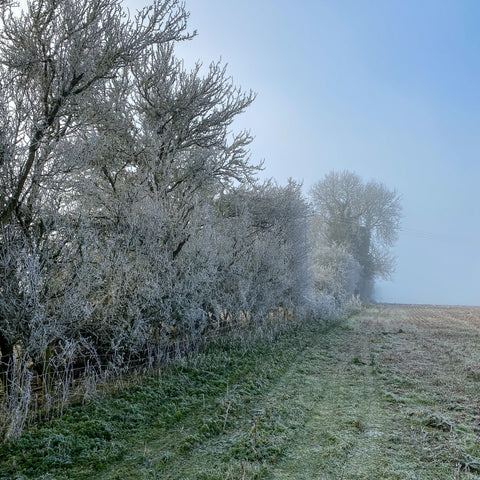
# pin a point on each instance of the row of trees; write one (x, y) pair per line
(131, 216)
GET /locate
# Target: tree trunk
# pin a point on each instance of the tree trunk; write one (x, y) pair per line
(6, 365)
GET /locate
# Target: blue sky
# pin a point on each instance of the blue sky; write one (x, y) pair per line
(388, 89)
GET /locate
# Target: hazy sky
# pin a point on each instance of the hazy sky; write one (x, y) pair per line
(388, 89)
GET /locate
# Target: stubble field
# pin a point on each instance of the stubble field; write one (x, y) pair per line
(400, 399)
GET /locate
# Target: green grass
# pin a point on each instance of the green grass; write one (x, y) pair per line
(212, 402)
(377, 396)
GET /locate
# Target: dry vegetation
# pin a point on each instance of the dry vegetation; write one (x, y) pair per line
(400, 399)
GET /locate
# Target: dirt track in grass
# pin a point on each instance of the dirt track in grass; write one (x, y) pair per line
(398, 398)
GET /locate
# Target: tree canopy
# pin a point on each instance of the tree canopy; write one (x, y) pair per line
(363, 218)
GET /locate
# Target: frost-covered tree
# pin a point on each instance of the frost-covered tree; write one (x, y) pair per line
(56, 58)
(189, 155)
(58, 61)
(269, 252)
(363, 218)
(130, 216)
(157, 172)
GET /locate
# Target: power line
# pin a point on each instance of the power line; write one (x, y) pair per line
(446, 235)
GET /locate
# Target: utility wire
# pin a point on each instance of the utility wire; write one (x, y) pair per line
(446, 235)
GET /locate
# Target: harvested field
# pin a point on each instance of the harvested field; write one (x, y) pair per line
(400, 399)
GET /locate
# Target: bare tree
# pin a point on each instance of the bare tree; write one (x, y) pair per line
(186, 119)
(54, 57)
(361, 217)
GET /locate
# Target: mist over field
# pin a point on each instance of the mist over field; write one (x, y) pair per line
(385, 89)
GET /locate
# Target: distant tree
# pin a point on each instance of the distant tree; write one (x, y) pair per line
(363, 218)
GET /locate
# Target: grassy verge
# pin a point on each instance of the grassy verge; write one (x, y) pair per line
(212, 405)
(390, 393)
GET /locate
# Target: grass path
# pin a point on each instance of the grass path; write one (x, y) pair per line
(352, 431)
(391, 393)
(347, 426)
(379, 398)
